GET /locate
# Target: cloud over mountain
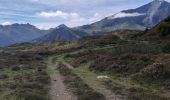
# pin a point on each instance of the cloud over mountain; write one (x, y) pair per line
(71, 19)
(123, 14)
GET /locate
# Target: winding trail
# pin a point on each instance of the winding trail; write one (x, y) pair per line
(58, 91)
(90, 79)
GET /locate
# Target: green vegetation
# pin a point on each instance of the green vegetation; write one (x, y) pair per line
(140, 69)
(137, 69)
(23, 77)
(133, 93)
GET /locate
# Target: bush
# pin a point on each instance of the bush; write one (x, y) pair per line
(121, 64)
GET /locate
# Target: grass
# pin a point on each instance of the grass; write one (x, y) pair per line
(133, 93)
(10, 73)
(26, 82)
(120, 85)
(87, 76)
(51, 71)
(118, 59)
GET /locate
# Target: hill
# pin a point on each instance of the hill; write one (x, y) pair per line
(105, 67)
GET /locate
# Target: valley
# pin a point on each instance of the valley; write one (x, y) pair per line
(140, 18)
(93, 68)
(125, 56)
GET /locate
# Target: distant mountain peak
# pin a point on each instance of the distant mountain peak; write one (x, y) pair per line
(61, 33)
(159, 0)
(157, 7)
(62, 26)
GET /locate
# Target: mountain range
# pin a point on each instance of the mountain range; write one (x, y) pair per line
(140, 18)
(160, 31)
(61, 33)
(17, 33)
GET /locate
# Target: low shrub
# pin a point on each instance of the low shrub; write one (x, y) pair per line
(125, 64)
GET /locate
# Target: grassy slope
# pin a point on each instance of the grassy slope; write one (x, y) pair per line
(122, 82)
(133, 67)
(26, 77)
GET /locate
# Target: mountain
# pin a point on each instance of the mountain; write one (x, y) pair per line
(61, 33)
(140, 18)
(17, 33)
(160, 31)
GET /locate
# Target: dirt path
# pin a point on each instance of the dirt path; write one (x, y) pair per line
(90, 78)
(65, 63)
(58, 90)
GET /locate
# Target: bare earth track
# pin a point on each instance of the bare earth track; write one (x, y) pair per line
(58, 91)
(95, 84)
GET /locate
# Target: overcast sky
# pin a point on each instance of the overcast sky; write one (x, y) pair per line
(50, 13)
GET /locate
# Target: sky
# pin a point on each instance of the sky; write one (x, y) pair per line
(46, 14)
